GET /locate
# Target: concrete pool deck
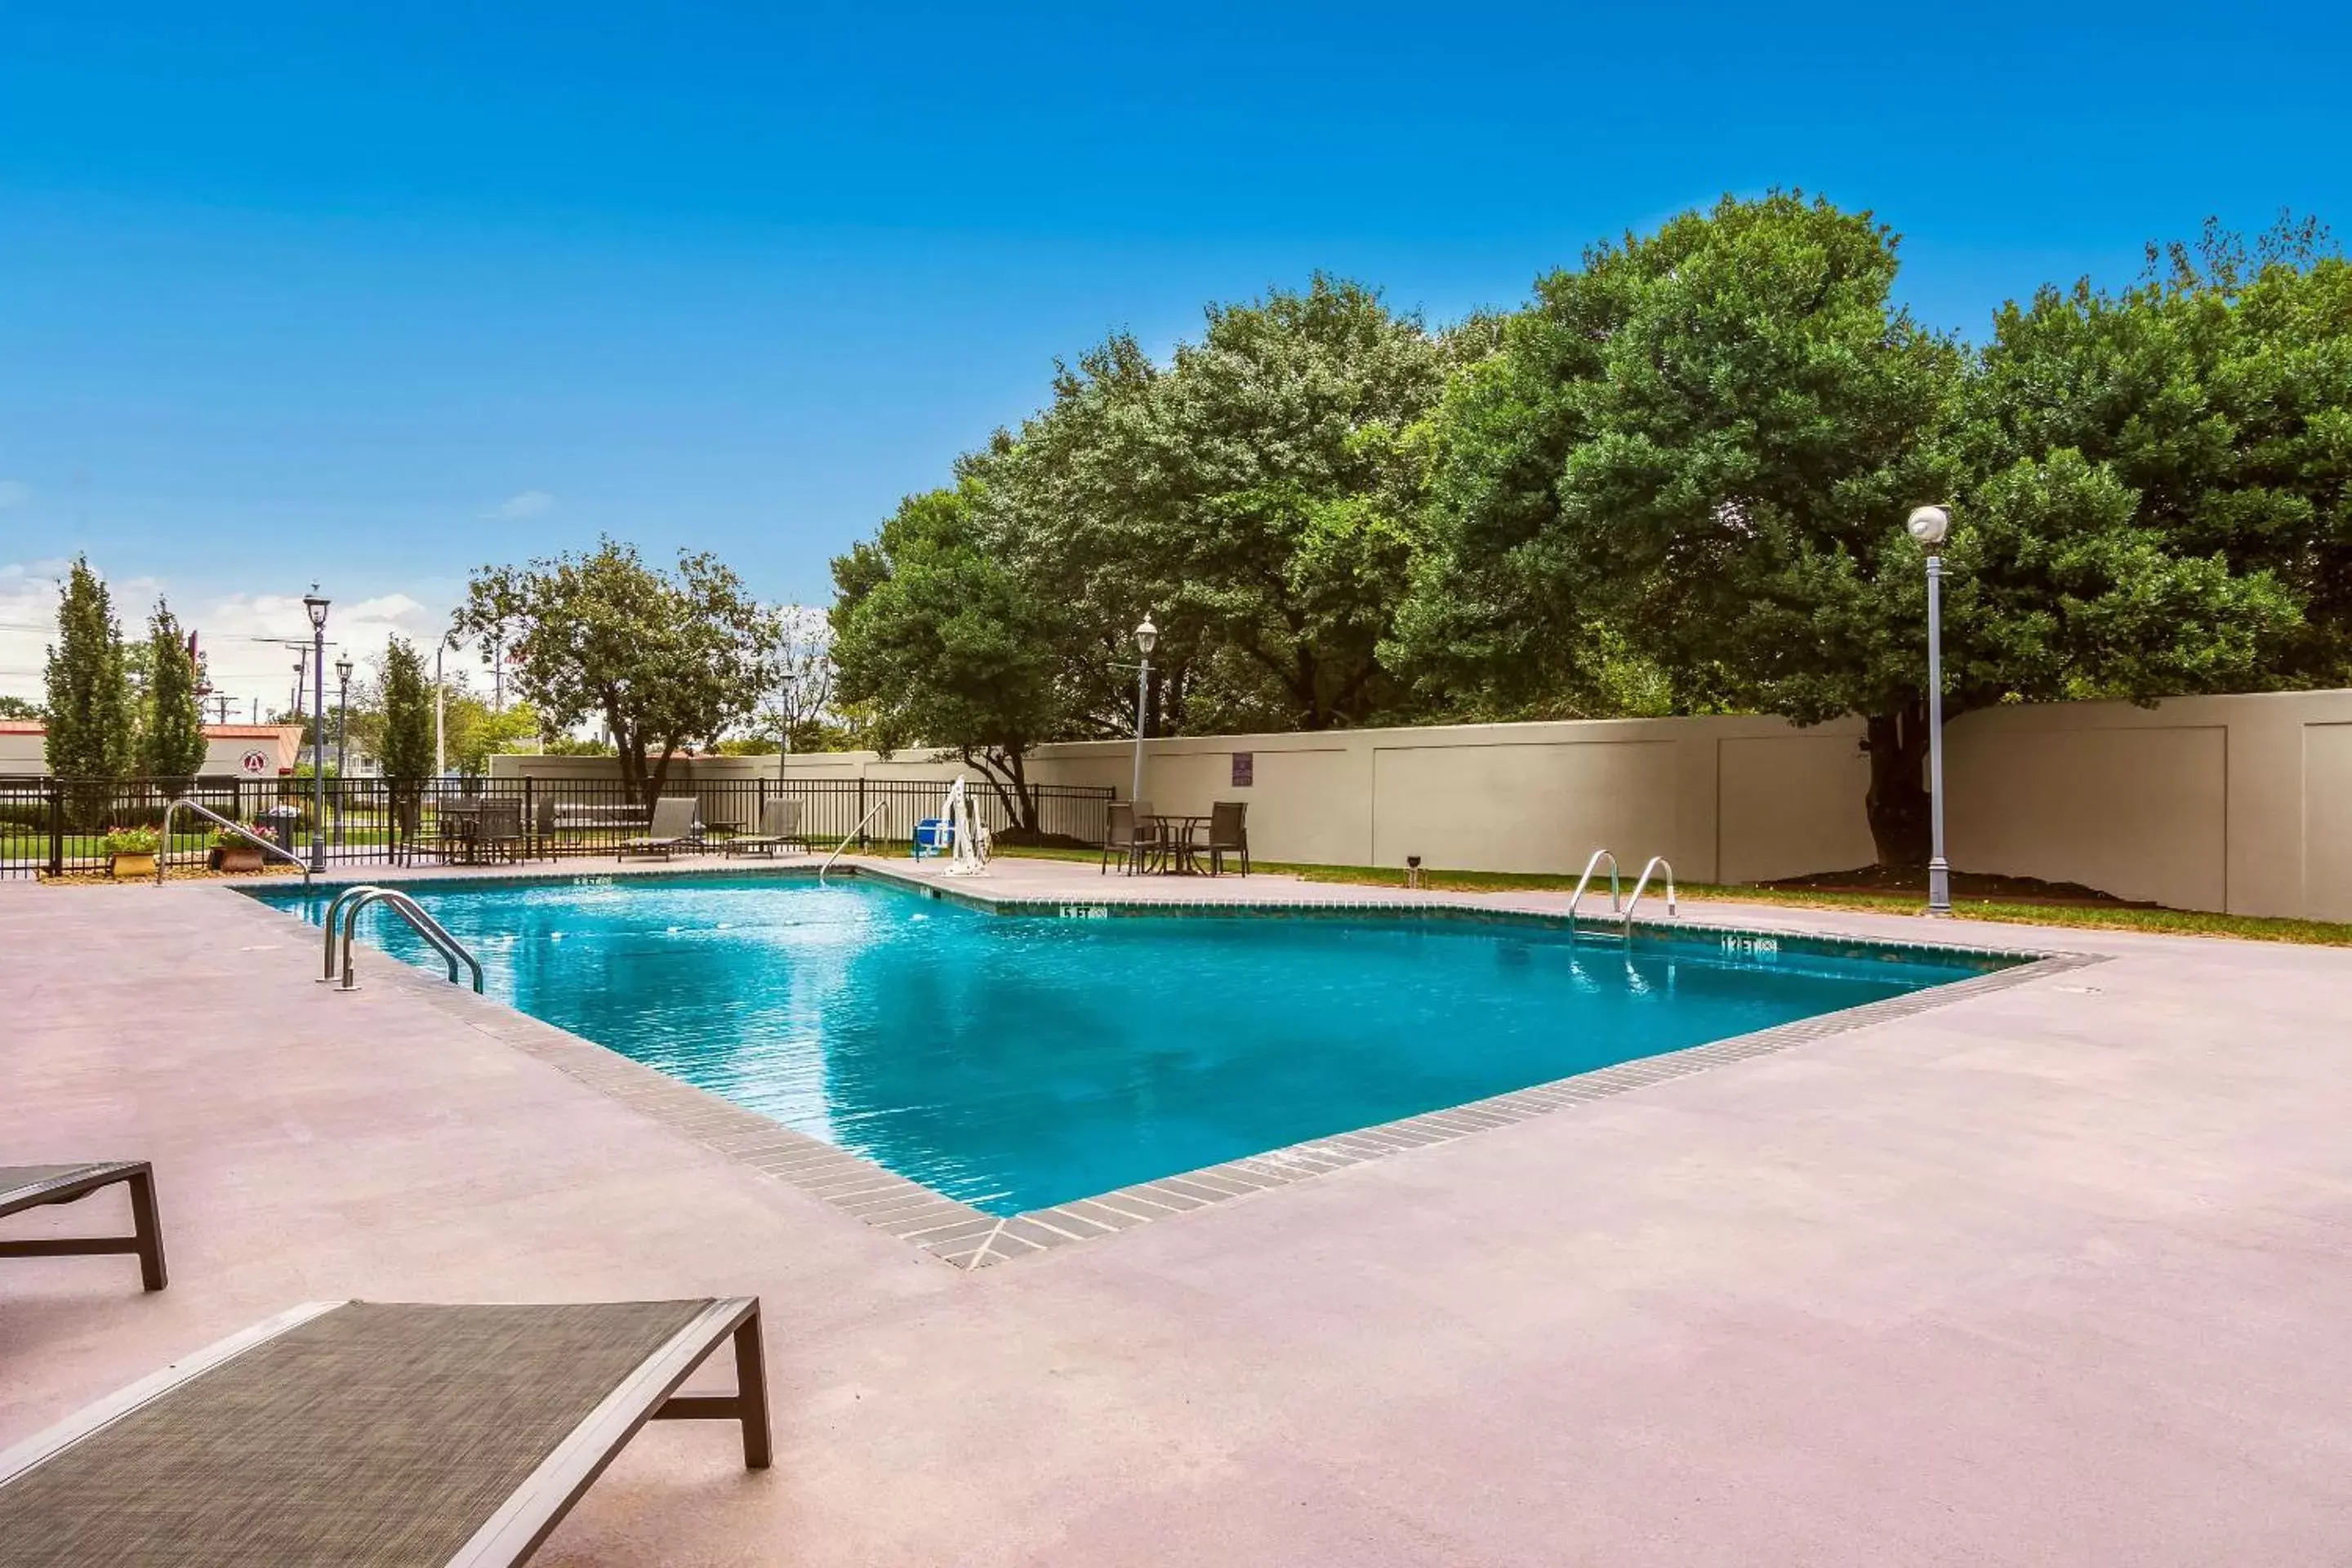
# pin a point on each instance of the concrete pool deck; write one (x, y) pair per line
(2060, 1272)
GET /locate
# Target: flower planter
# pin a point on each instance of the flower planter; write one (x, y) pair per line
(237, 858)
(127, 867)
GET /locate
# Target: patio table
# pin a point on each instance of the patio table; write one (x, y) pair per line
(1178, 838)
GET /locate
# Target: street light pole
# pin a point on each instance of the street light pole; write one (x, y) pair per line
(1929, 525)
(342, 739)
(317, 607)
(1147, 637)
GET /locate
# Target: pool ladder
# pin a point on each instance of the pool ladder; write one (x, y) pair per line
(347, 905)
(1626, 911)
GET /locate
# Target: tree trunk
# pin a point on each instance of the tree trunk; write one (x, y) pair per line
(659, 774)
(1899, 804)
(1003, 767)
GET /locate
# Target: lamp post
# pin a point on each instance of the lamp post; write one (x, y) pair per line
(1929, 525)
(317, 605)
(342, 739)
(1147, 637)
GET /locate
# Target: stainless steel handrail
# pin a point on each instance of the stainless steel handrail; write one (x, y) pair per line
(1655, 861)
(334, 910)
(164, 848)
(451, 950)
(879, 807)
(1598, 857)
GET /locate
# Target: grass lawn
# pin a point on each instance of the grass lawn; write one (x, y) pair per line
(2095, 916)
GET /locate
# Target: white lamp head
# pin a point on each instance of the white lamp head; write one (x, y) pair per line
(1147, 636)
(317, 608)
(1929, 525)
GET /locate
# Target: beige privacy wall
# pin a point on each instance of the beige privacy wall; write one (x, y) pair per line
(2241, 804)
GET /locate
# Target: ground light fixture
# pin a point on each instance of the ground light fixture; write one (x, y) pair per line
(1147, 637)
(1930, 525)
(315, 605)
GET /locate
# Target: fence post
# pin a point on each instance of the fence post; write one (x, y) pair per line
(56, 829)
(861, 811)
(530, 819)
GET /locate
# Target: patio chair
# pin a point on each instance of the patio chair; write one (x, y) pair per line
(25, 1187)
(457, 822)
(498, 833)
(1130, 831)
(671, 829)
(780, 828)
(1228, 834)
(367, 1434)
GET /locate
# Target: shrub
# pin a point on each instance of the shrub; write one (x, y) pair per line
(132, 841)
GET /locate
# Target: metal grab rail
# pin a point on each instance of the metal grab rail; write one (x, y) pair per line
(163, 844)
(1655, 861)
(1598, 857)
(334, 909)
(451, 950)
(879, 807)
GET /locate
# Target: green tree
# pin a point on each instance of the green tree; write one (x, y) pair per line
(403, 741)
(89, 735)
(2217, 394)
(662, 659)
(474, 733)
(1709, 443)
(1247, 497)
(172, 728)
(22, 708)
(946, 646)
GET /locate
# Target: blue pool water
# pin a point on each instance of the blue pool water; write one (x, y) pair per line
(1018, 1061)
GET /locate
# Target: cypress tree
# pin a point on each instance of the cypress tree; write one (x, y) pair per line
(171, 738)
(407, 749)
(90, 727)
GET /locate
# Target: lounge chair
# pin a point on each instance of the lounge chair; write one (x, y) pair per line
(780, 828)
(33, 1186)
(1228, 834)
(365, 1434)
(670, 830)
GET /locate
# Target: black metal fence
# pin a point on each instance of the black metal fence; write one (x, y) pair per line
(58, 827)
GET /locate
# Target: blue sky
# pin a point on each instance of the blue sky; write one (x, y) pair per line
(372, 299)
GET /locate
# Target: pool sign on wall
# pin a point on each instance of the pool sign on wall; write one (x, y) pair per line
(257, 763)
(1244, 767)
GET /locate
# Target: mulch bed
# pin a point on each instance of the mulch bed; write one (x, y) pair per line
(1989, 887)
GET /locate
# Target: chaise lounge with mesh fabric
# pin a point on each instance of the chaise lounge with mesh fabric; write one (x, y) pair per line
(371, 1434)
(780, 828)
(25, 1187)
(671, 829)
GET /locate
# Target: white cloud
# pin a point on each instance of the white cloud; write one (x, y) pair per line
(14, 492)
(246, 638)
(528, 503)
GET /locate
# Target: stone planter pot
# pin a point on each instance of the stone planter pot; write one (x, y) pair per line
(130, 868)
(237, 858)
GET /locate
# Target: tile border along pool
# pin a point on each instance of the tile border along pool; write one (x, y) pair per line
(967, 1237)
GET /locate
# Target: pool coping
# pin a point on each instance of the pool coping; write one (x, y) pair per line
(969, 1238)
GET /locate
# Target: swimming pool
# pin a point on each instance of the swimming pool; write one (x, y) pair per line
(1017, 1061)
